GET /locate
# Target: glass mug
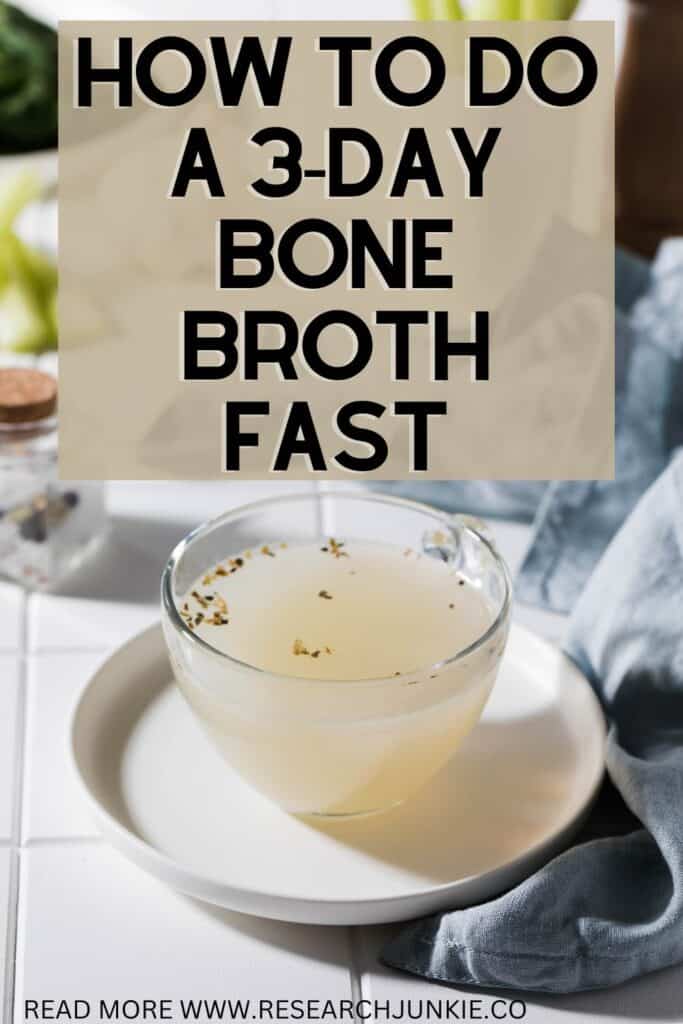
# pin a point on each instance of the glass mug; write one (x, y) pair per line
(337, 747)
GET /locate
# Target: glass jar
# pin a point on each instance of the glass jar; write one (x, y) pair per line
(47, 526)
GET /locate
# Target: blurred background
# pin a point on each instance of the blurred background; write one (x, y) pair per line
(28, 127)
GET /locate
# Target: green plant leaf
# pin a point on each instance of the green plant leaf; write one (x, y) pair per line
(16, 193)
(449, 10)
(28, 278)
(28, 82)
(494, 10)
(422, 9)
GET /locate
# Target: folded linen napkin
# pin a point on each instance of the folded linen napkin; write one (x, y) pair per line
(612, 908)
(573, 521)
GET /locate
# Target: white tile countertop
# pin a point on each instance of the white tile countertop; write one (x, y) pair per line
(79, 921)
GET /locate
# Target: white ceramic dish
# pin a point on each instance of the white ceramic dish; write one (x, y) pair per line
(513, 796)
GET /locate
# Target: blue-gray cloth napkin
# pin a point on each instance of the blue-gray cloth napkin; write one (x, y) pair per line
(574, 521)
(612, 908)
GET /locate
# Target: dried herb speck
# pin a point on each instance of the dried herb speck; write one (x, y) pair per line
(325, 595)
(335, 548)
(299, 647)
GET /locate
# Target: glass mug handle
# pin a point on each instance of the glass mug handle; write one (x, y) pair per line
(476, 554)
(460, 521)
(451, 546)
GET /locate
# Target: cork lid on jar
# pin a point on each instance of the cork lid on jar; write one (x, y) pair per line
(26, 396)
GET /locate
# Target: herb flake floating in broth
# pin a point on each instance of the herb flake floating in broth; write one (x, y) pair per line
(334, 547)
(216, 616)
(299, 647)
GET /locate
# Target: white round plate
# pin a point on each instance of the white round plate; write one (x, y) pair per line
(513, 796)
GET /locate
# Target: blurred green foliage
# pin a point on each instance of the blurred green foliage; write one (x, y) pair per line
(28, 278)
(495, 10)
(28, 82)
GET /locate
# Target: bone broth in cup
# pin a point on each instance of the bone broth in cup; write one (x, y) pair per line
(336, 647)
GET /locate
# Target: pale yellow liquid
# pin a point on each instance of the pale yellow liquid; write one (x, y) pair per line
(369, 610)
(304, 729)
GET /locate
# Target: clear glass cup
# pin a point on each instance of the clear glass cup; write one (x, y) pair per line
(342, 747)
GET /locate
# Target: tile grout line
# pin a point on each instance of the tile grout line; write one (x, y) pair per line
(42, 841)
(52, 651)
(17, 814)
(352, 933)
(10, 966)
(354, 978)
(358, 988)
